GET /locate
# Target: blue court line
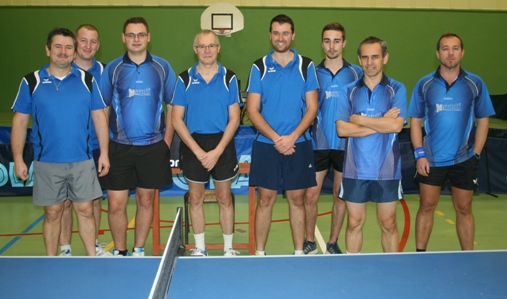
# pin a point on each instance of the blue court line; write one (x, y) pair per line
(15, 239)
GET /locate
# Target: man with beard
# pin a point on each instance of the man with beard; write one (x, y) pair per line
(450, 102)
(282, 102)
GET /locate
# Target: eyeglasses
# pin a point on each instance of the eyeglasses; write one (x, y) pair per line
(210, 46)
(133, 35)
(284, 34)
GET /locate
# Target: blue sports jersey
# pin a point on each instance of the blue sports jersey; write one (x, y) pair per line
(96, 70)
(323, 131)
(137, 94)
(283, 93)
(376, 156)
(61, 116)
(206, 103)
(449, 114)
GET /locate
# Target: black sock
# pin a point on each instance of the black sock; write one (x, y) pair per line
(123, 252)
(420, 250)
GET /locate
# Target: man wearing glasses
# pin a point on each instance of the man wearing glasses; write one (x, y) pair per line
(205, 114)
(136, 85)
(282, 102)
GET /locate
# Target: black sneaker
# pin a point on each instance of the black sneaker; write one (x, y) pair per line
(333, 248)
(310, 247)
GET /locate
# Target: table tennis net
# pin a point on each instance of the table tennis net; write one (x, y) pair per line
(174, 248)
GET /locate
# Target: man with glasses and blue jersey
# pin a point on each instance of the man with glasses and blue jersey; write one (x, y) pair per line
(137, 86)
(206, 115)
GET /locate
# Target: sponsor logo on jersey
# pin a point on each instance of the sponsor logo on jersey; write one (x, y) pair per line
(448, 107)
(139, 92)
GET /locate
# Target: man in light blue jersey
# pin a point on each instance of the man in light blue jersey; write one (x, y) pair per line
(88, 43)
(61, 99)
(137, 86)
(333, 74)
(370, 113)
(206, 116)
(282, 102)
(454, 106)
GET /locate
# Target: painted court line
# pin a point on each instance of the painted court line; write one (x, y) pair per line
(15, 239)
(320, 240)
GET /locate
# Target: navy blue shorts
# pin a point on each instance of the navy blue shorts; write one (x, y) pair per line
(362, 191)
(462, 175)
(272, 170)
(326, 158)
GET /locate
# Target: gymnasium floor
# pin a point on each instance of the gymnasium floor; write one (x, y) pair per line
(21, 225)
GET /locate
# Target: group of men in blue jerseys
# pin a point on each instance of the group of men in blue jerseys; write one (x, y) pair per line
(110, 127)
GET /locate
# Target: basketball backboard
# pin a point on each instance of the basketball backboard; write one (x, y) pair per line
(222, 18)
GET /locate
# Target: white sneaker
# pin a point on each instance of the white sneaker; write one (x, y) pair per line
(99, 251)
(199, 252)
(66, 252)
(138, 251)
(231, 252)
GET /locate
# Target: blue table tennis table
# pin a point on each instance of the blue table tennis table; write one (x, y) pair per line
(475, 274)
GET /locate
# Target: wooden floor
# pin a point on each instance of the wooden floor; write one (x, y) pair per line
(21, 226)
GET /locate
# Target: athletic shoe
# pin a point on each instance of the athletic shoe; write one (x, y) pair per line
(117, 253)
(199, 252)
(333, 248)
(99, 251)
(138, 251)
(231, 252)
(259, 254)
(310, 247)
(66, 252)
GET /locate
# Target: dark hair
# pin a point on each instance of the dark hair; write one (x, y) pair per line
(373, 40)
(334, 26)
(89, 27)
(63, 32)
(449, 34)
(282, 19)
(136, 20)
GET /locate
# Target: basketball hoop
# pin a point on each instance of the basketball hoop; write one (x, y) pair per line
(222, 31)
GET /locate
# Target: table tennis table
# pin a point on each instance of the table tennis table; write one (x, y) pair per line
(474, 274)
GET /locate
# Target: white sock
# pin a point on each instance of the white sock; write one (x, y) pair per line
(97, 244)
(199, 241)
(65, 247)
(260, 252)
(298, 252)
(227, 241)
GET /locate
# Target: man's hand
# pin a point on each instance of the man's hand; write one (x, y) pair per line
(210, 159)
(21, 171)
(103, 165)
(285, 145)
(423, 167)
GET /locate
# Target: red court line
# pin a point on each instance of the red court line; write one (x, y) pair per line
(406, 229)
